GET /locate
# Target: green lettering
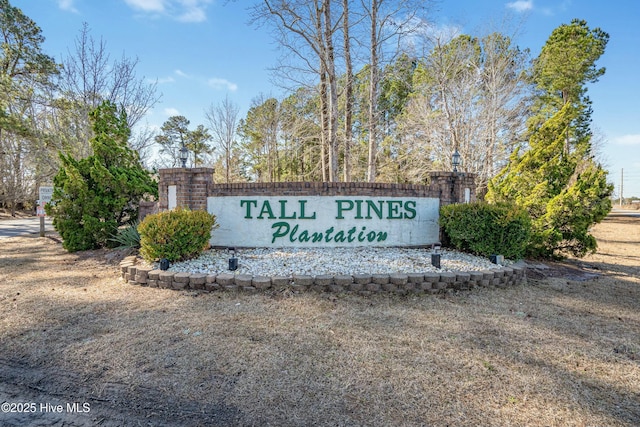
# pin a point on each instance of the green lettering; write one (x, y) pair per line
(302, 216)
(340, 208)
(382, 236)
(304, 236)
(294, 230)
(248, 203)
(359, 209)
(282, 230)
(266, 208)
(327, 234)
(410, 208)
(371, 236)
(316, 237)
(394, 209)
(361, 236)
(350, 234)
(340, 236)
(377, 209)
(283, 209)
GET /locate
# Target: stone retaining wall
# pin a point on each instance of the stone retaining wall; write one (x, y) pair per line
(430, 283)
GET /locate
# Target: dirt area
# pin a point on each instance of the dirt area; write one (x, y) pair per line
(79, 347)
(6, 214)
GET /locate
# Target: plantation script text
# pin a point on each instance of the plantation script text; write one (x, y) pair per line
(323, 221)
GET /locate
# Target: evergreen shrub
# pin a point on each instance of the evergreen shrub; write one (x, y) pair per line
(94, 196)
(486, 229)
(176, 235)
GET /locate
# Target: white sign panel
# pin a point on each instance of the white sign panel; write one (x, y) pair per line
(45, 194)
(172, 198)
(324, 221)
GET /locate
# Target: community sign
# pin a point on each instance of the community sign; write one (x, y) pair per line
(324, 221)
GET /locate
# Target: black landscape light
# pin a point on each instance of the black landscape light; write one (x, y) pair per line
(497, 259)
(435, 256)
(455, 160)
(184, 155)
(233, 261)
(164, 264)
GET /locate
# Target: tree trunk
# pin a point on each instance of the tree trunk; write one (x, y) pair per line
(373, 95)
(348, 93)
(333, 93)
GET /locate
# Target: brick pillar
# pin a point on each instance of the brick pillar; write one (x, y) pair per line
(452, 186)
(192, 186)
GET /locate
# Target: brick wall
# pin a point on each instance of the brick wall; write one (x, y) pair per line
(194, 185)
(447, 186)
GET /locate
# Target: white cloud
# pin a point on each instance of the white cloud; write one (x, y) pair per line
(182, 74)
(194, 10)
(163, 80)
(67, 5)
(521, 5)
(631, 139)
(180, 10)
(218, 83)
(441, 32)
(147, 5)
(171, 112)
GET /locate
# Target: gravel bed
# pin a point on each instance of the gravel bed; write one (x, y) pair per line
(331, 261)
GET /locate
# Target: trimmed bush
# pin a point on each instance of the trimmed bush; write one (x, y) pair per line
(486, 229)
(176, 235)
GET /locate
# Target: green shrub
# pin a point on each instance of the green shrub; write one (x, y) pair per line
(486, 229)
(95, 195)
(175, 235)
(127, 237)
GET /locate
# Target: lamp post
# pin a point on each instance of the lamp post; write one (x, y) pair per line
(184, 154)
(455, 160)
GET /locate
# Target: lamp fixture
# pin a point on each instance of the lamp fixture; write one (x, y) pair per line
(233, 261)
(435, 256)
(184, 155)
(455, 160)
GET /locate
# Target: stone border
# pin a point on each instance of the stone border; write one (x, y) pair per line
(418, 283)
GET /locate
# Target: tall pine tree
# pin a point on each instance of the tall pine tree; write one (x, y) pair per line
(557, 179)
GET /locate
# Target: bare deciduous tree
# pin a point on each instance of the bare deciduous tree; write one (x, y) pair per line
(388, 21)
(89, 76)
(471, 97)
(223, 123)
(306, 29)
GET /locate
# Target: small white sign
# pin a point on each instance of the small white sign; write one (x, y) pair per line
(324, 221)
(45, 194)
(172, 197)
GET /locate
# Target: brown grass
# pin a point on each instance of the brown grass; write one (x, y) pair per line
(555, 352)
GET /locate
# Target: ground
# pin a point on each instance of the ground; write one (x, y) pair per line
(562, 350)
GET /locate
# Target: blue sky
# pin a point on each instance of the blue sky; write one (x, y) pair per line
(200, 51)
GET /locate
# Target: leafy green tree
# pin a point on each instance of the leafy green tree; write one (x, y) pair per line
(176, 134)
(260, 133)
(199, 144)
(25, 73)
(94, 196)
(557, 179)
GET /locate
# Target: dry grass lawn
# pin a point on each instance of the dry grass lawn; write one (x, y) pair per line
(555, 352)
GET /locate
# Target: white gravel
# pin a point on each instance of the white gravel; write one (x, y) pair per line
(331, 261)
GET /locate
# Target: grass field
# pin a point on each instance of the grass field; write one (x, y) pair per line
(558, 351)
